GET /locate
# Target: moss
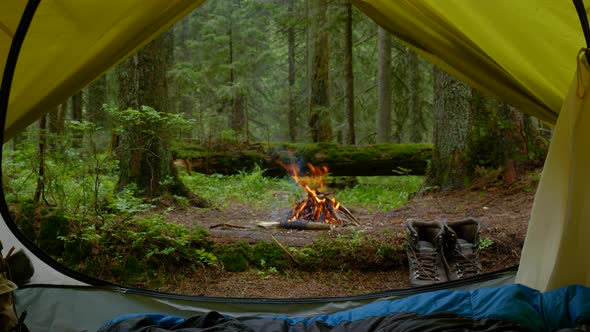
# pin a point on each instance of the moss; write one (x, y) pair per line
(268, 254)
(235, 257)
(53, 225)
(234, 262)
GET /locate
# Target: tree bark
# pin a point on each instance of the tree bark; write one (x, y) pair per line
(349, 73)
(292, 112)
(56, 127)
(97, 97)
(417, 116)
(185, 56)
(451, 124)
(401, 104)
(319, 101)
(145, 160)
(384, 88)
(238, 102)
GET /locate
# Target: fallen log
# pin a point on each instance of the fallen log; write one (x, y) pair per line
(342, 160)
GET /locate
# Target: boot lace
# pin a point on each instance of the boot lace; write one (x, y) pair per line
(466, 265)
(424, 264)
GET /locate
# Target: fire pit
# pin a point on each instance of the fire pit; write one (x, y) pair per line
(318, 210)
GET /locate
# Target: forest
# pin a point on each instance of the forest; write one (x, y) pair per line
(165, 172)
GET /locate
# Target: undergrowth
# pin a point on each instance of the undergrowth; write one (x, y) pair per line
(380, 193)
(83, 223)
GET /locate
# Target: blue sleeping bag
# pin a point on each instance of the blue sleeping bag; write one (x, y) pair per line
(505, 308)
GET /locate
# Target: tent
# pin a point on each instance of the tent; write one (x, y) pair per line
(527, 52)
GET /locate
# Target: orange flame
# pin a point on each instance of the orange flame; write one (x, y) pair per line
(317, 207)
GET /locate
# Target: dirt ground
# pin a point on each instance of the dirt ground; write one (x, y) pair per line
(503, 212)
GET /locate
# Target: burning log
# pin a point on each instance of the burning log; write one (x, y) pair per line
(318, 207)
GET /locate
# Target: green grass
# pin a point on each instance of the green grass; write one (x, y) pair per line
(246, 187)
(380, 193)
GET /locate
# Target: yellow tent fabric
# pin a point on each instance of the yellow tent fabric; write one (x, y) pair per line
(519, 51)
(556, 251)
(71, 42)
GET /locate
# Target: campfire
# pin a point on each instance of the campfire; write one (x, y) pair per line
(318, 207)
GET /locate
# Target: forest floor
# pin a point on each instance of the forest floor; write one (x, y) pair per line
(503, 211)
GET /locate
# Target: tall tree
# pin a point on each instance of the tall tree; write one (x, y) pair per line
(41, 149)
(349, 73)
(451, 124)
(319, 101)
(185, 57)
(97, 97)
(400, 85)
(144, 155)
(77, 106)
(292, 111)
(384, 88)
(56, 127)
(417, 114)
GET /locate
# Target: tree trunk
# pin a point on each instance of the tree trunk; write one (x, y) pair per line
(40, 189)
(319, 102)
(56, 127)
(451, 123)
(145, 160)
(77, 116)
(97, 97)
(417, 116)
(342, 160)
(384, 88)
(401, 104)
(237, 115)
(349, 73)
(292, 112)
(185, 56)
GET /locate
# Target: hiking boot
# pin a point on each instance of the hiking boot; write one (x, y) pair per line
(461, 249)
(425, 258)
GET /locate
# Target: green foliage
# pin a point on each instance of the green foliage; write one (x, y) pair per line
(235, 257)
(54, 225)
(148, 122)
(352, 251)
(130, 241)
(384, 193)
(485, 243)
(246, 187)
(269, 255)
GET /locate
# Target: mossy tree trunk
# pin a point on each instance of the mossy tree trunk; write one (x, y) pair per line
(349, 73)
(384, 88)
(145, 160)
(451, 124)
(319, 101)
